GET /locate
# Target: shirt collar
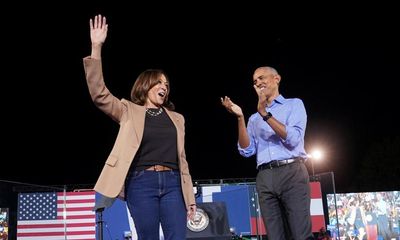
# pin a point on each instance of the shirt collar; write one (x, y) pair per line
(279, 99)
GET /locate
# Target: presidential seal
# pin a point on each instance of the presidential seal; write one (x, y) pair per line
(200, 221)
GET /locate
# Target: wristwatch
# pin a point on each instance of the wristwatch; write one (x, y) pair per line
(266, 117)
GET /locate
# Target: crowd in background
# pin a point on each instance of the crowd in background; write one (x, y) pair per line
(371, 215)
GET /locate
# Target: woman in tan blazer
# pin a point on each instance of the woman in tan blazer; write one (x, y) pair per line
(147, 165)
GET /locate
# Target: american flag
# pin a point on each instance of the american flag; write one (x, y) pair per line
(316, 208)
(56, 216)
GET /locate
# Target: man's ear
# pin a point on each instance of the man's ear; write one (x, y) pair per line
(278, 78)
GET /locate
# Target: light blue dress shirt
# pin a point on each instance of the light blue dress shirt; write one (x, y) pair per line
(266, 143)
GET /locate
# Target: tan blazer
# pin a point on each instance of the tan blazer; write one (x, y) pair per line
(130, 117)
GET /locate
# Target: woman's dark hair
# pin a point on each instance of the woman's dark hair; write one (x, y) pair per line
(144, 82)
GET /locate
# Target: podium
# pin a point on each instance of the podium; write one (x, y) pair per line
(210, 222)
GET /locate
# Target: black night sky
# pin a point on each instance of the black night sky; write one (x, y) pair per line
(344, 67)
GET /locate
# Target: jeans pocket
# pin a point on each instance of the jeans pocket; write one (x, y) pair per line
(174, 173)
(137, 174)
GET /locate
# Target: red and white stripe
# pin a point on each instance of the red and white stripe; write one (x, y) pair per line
(75, 220)
(316, 207)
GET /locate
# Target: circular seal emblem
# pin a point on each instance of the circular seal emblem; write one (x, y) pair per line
(200, 221)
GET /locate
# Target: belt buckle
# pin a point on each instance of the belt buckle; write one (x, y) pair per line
(158, 168)
(286, 162)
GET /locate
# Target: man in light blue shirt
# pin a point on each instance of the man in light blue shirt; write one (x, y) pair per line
(275, 134)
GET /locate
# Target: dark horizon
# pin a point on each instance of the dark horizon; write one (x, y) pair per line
(345, 72)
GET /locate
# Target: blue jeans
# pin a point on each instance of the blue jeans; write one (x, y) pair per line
(154, 198)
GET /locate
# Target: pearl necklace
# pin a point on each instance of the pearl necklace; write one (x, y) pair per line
(154, 113)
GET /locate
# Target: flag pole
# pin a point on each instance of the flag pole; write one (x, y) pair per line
(65, 211)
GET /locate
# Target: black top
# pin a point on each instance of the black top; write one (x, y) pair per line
(159, 143)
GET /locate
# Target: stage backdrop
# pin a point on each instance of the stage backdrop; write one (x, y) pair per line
(242, 205)
(53, 215)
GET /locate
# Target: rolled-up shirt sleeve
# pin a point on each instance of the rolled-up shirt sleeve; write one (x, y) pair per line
(251, 149)
(296, 124)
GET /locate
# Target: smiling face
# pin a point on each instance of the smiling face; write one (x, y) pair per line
(157, 94)
(151, 89)
(267, 79)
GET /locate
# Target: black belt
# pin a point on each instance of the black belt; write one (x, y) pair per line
(279, 163)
